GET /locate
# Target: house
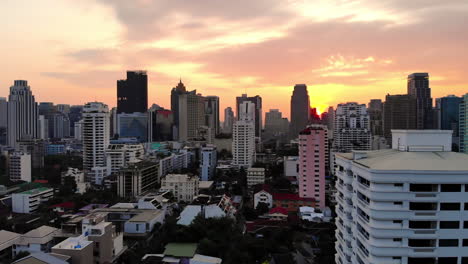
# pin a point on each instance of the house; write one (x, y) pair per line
(143, 223)
(263, 196)
(278, 213)
(62, 208)
(43, 258)
(292, 201)
(7, 240)
(37, 240)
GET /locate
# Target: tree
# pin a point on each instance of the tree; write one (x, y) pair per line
(262, 208)
(68, 187)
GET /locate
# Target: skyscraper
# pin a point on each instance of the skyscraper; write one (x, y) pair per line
(243, 135)
(22, 113)
(175, 93)
(313, 163)
(352, 128)
(276, 126)
(331, 120)
(95, 136)
(191, 111)
(212, 113)
(3, 112)
(375, 109)
(74, 116)
(300, 109)
(399, 113)
(161, 124)
(228, 120)
(257, 101)
(418, 86)
(134, 125)
(448, 114)
(132, 93)
(463, 120)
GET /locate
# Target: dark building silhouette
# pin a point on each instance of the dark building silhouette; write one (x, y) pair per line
(132, 93)
(300, 107)
(418, 86)
(399, 112)
(175, 93)
(257, 101)
(160, 126)
(375, 109)
(448, 115)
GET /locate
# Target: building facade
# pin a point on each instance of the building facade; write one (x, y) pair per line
(300, 109)
(132, 93)
(351, 128)
(134, 125)
(255, 176)
(19, 166)
(137, 179)
(160, 124)
(228, 120)
(399, 113)
(243, 143)
(121, 155)
(403, 205)
(418, 87)
(28, 201)
(258, 114)
(184, 187)
(448, 114)
(463, 127)
(208, 162)
(212, 113)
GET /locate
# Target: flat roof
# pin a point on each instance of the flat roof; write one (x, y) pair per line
(391, 159)
(37, 190)
(180, 249)
(146, 216)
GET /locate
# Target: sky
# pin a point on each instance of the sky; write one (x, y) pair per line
(344, 50)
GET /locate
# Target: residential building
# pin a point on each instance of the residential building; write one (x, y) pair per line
(44, 258)
(78, 177)
(175, 93)
(95, 135)
(28, 201)
(132, 93)
(263, 196)
(184, 187)
(35, 148)
(418, 87)
(276, 126)
(212, 114)
(228, 120)
(74, 116)
(3, 112)
(243, 144)
(42, 128)
(208, 162)
(160, 124)
(291, 166)
(351, 128)
(19, 167)
(143, 223)
(78, 130)
(37, 240)
(300, 106)
(399, 113)
(258, 114)
(292, 201)
(22, 113)
(448, 114)
(107, 242)
(137, 179)
(463, 119)
(375, 110)
(121, 155)
(7, 240)
(79, 248)
(313, 163)
(173, 163)
(255, 176)
(405, 204)
(331, 120)
(55, 149)
(134, 125)
(191, 115)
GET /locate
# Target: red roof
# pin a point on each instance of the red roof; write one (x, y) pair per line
(290, 197)
(67, 205)
(41, 181)
(279, 210)
(262, 187)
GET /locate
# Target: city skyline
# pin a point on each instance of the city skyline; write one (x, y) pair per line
(265, 51)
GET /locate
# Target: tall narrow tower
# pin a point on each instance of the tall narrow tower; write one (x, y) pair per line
(300, 105)
(418, 86)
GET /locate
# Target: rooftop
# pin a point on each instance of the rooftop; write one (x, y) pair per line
(73, 243)
(184, 250)
(44, 258)
(411, 161)
(146, 216)
(38, 190)
(290, 197)
(7, 239)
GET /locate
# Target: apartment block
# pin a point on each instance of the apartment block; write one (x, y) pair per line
(255, 176)
(28, 201)
(184, 187)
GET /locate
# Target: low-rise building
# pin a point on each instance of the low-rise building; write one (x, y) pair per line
(37, 240)
(292, 201)
(184, 187)
(263, 196)
(7, 240)
(255, 176)
(79, 248)
(143, 223)
(28, 201)
(44, 258)
(19, 167)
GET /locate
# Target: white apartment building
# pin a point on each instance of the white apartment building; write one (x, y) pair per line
(78, 176)
(351, 128)
(243, 135)
(19, 167)
(121, 155)
(184, 187)
(95, 136)
(403, 205)
(174, 162)
(208, 162)
(28, 201)
(255, 176)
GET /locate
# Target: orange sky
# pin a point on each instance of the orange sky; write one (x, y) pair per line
(344, 50)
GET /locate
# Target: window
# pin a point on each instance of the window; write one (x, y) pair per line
(398, 184)
(398, 203)
(450, 206)
(421, 260)
(448, 242)
(396, 257)
(448, 260)
(450, 188)
(397, 221)
(423, 187)
(466, 207)
(464, 260)
(423, 206)
(422, 224)
(397, 239)
(465, 242)
(421, 242)
(449, 224)
(465, 225)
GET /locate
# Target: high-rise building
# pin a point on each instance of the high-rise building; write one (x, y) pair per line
(331, 120)
(184, 187)
(3, 112)
(243, 134)
(351, 128)
(22, 113)
(212, 113)
(175, 93)
(403, 205)
(313, 163)
(208, 162)
(63, 108)
(78, 130)
(191, 115)
(19, 166)
(300, 109)
(42, 128)
(160, 124)
(95, 136)
(132, 93)
(74, 116)
(276, 126)
(47, 109)
(228, 120)
(463, 127)
(399, 113)
(119, 156)
(257, 101)
(137, 179)
(375, 110)
(448, 115)
(36, 149)
(418, 86)
(61, 125)
(134, 125)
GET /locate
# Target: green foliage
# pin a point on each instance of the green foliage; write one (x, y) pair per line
(262, 208)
